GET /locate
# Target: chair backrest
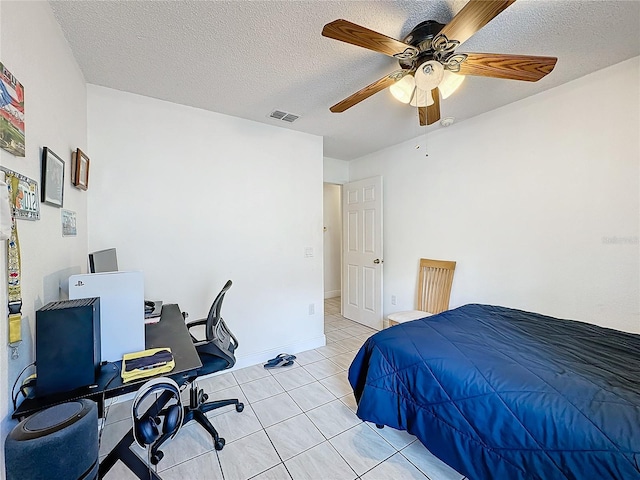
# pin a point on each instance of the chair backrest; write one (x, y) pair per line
(434, 285)
(220, 342)
(214, 316)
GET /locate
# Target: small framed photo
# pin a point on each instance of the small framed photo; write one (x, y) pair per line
(52, 178)
(68, 223)
(80, 170)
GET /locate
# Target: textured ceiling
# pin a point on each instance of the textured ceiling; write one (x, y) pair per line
(247, 58)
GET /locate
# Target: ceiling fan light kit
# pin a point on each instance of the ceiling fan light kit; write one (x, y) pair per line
(403, 89)
(429, 62)
(429, 75)
(422, 98)
(450, 83)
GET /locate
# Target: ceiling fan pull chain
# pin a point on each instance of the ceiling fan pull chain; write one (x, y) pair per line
(426, 143)
(422, 123)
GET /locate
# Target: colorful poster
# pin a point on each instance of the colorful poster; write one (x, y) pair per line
(11, 113)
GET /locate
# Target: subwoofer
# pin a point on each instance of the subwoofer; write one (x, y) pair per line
(58, 442)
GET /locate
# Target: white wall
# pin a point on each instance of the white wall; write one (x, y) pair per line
(194, 198)
(335, 171)
(34, 49)
(537, 201)
(332, 214)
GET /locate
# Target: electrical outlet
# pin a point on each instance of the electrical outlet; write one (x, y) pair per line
(312, 309)
(394, 300)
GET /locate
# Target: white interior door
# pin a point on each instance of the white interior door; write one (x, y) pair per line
(362, 251)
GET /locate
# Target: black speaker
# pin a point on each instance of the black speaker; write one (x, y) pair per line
(67, 345)
(59, 442)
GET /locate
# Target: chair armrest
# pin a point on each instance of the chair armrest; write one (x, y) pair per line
(195, 323)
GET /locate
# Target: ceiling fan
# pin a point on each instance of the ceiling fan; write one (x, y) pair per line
(428, 54)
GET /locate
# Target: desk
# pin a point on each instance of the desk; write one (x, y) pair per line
(171, 332)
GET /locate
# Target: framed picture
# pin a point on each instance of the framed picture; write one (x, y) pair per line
(80, 170)
(52, 178)
(68, 223)
(27, 203)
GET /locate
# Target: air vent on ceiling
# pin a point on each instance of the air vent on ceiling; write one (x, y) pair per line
(284, 116)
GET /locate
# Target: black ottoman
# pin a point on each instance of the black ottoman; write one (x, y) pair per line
(59, 442)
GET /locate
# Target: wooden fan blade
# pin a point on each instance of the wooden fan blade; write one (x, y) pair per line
(348, 32)
(366, 92)
(512, 67)
(473, 16)
(431, 114)
(433, 111)
(422, 115)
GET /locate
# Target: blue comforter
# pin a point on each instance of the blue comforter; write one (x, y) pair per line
(500, 394)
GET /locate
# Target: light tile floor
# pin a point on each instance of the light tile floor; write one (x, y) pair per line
(298, 423)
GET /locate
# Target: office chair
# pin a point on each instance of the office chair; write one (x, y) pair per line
(434, 289)
(216, 353)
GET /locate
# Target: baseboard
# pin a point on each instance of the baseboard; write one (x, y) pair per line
(261, 357)
(331, 294)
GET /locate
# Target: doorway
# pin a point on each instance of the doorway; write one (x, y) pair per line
(332, 240)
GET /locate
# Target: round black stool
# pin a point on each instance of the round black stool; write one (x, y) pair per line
(59, 442)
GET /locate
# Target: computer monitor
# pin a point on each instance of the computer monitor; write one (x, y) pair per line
(103, 261)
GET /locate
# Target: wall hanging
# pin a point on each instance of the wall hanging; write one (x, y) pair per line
(68, 223)
(27, 202)
(52, 178)
(11, 113)
(80, 170)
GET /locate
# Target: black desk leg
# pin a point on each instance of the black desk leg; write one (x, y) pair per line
(130, 459)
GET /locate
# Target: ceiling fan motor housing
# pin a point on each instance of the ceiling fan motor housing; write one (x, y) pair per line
(421, 37)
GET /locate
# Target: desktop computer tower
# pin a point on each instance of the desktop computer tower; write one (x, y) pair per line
(67, 345)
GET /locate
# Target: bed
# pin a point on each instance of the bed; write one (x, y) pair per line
(498, 393)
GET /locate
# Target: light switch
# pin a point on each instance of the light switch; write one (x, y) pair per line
(308, 252)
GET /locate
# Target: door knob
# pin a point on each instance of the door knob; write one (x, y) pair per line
(377, 261)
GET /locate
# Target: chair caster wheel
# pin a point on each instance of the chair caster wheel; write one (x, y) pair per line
(239, 407)
(378, 425)
(219, 445)
(205, 397)
(155, 458)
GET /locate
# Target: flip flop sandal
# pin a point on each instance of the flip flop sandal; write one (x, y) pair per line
(278, 362)
(282, 360)
(285, 356)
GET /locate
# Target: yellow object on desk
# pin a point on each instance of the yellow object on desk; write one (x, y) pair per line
(146, 363)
